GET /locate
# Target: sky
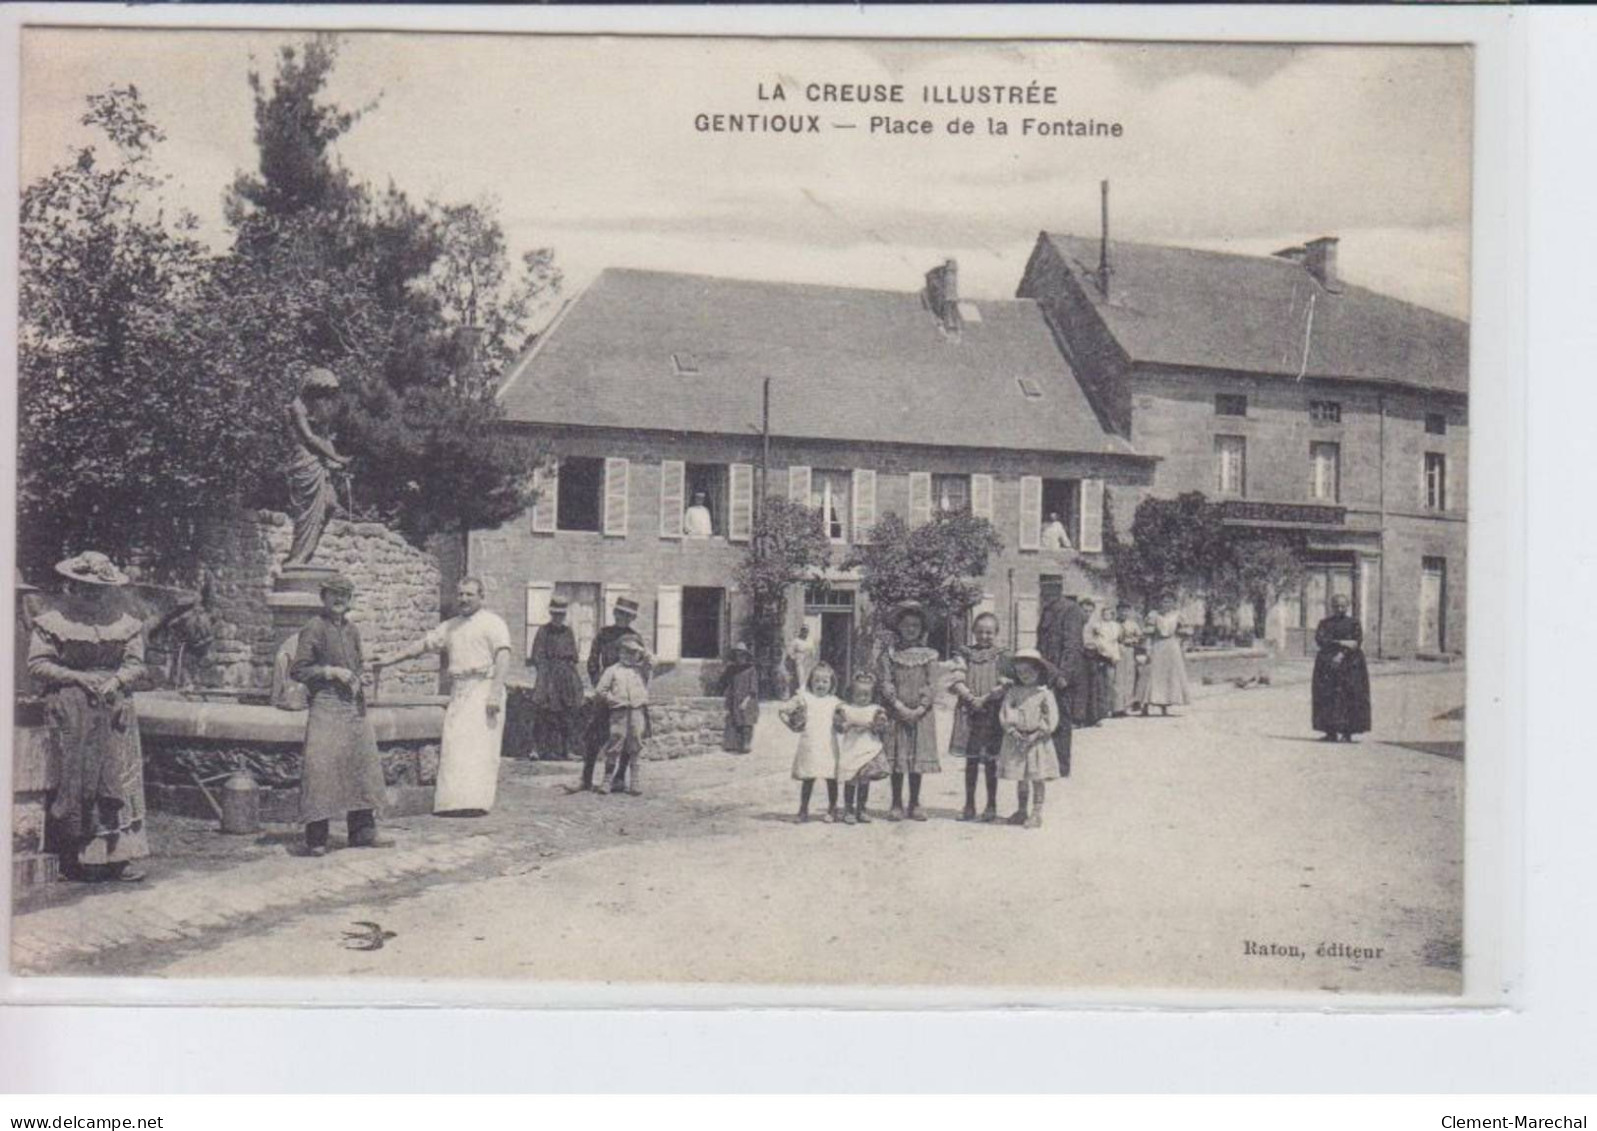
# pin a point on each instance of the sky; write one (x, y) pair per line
(588, 145)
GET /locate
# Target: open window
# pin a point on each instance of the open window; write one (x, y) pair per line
(705, 511)
(1061, 504)
(581, 499)
(702, 610)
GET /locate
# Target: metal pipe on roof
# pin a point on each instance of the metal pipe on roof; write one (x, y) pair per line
(1103, 241)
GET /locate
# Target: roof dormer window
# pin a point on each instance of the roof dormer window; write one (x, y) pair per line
(685, 364)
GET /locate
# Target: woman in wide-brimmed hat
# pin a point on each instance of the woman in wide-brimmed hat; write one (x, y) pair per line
(84, 653)
(740, 683)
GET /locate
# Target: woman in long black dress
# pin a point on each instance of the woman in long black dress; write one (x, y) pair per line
(85, 654)
(1341, 678)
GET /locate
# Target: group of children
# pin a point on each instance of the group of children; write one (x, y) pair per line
(1005, 719)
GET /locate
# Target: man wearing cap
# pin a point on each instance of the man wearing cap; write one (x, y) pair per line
(557, 690)
(341, 772)
(477, 643)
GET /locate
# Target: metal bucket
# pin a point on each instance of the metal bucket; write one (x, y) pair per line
(241, 804)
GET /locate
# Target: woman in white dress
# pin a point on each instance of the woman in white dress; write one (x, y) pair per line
(1167, 666)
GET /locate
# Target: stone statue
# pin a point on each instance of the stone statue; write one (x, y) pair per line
(312, 496)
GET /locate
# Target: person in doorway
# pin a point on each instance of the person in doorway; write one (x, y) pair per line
(1029, 716)
(477, 643)
(906, 679)
(812, 714)
(1167, 666)
(799, 659)
(85, 653)
(696, 520)
(341, 773)
(740, 683)
(1054, 536)
(860, 724)
(981, 675)
(557, 688)
(623, 692)
(1341, 689)
(1125, 697)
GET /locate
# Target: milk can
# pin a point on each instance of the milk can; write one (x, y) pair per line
(241, 804)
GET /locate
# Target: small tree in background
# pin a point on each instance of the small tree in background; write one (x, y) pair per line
(1172, 547)
(1256, 568)
(789, 545)
(937, 563)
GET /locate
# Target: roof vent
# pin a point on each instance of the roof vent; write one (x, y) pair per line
(1029, 388)
(685, 363)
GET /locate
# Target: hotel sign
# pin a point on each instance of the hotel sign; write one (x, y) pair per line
(1298, 514)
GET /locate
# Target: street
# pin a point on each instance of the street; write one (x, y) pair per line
(1221, 848)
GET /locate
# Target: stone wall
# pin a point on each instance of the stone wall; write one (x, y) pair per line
(396, 597)
(685, 726)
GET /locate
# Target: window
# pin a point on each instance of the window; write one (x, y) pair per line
(829, 494)
(581, 500)
(1325, 412)
(706, 487)
(701, 622)
(1061, 503)
(1325, 464)
(685, 364)
(1435, 481)
(951, 493)
(1230, 404)
(1436, 423)
(1230, 465)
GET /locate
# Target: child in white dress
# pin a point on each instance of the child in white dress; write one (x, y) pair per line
(860, 724)
(811, 714)
(1029, 717)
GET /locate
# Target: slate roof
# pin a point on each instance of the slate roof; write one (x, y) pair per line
(666, 351)
(1180, 306)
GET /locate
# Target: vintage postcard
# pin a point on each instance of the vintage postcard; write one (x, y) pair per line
(819, 516)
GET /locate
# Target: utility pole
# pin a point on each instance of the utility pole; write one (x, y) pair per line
(765, 448)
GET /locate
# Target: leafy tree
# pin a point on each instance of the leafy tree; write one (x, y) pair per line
(937, 563)
(128, 433)
(414, 307)
(1173, 542)
(1256, 568)
(789, 545)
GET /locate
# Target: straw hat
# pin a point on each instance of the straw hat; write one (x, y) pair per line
(1030, 656)
(92, 567)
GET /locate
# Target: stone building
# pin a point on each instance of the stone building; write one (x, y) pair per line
(648, 390)
(1298, 400)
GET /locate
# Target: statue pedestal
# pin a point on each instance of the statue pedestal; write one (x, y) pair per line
(296, 597)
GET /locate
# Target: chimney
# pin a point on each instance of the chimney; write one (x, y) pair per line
(942, 294)
(1103, 242)
(1320, 259)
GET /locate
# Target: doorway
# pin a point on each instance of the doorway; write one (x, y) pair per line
(829, 612)
(1433, 605)
(1323, 580)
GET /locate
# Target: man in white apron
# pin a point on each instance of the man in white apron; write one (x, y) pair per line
(477, 643)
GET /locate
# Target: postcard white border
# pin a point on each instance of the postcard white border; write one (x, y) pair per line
(1495, 828)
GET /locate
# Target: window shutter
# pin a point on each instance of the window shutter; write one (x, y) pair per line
(546, 507)
(1030, 512)
(538, 597)
(668, 623)
(1091, 538)
(673, 496)
(1024, 630)
(981, 496)
(615, 497)
(864, 504)
(920, 498)
(740, 516)
(798, 485)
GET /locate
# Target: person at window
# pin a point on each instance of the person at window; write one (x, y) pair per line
(342, 773)
(696, 521)
(1341, 703)
(84, 654)
(906, 680)
(1053, 534)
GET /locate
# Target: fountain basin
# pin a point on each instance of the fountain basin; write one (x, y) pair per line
(208, 735)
